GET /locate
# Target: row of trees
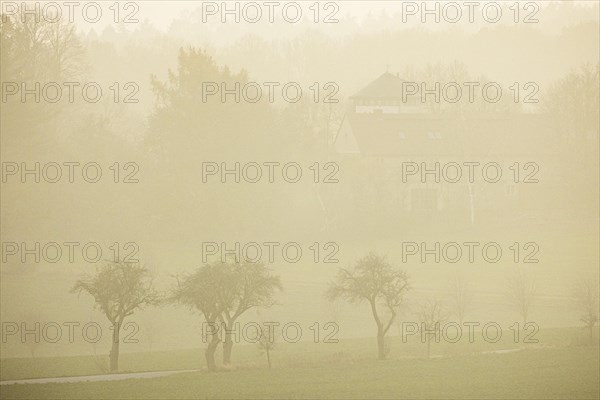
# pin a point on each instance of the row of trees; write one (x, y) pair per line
(222, 291)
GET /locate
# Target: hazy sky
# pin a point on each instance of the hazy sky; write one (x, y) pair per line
(162, 17)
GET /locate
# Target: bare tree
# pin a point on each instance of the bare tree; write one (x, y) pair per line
(521, 292)
(34, 50)
(200, 291)
(377, 282)
(573, 103)
(65, 51)
(266, 342)
(222, 291)
(461, 296)
(585, 293)
(119, 289)
(431, 316)
(249, 285)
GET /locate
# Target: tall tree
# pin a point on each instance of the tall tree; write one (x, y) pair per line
(35, 50)
(574, 103)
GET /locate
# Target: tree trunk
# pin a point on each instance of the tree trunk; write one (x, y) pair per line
(591, 334)
(380, 345)
(209, 353)
(114, 351)
(227, 347)
(428, 348)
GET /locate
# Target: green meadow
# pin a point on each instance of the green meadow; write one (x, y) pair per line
(561, 365)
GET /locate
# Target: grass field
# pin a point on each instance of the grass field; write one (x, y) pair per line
(561, 365)
(550, 373)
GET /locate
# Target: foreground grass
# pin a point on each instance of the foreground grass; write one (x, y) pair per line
(544, 373)
(285, 355)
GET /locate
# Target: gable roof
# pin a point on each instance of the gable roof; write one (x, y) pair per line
(387, 86)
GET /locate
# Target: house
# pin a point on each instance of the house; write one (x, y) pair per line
(388, 132)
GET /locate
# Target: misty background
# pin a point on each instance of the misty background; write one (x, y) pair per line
(170, 132)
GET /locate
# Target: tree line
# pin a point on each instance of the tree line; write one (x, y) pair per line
(222, 291)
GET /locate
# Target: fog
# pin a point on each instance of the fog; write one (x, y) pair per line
(175, 137)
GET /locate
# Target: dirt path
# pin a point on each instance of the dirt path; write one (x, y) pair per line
(97, 378)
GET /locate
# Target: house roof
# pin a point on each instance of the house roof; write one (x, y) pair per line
(387, 86)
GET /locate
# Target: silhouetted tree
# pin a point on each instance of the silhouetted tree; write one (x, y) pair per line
(119, 289)
(36, 51)
(249, 285)
(585, 293)
(431, 316)
(200, 291)
(461, 296)
(377, 282)
(521, 292)
(222, 291)
(266, 342)
(574, 104)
